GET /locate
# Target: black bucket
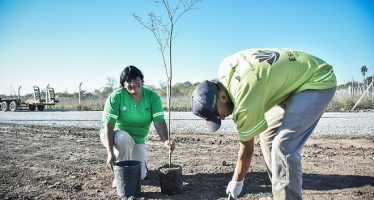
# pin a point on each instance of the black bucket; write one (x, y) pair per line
(127, 177)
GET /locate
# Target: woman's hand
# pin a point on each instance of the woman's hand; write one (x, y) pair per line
(109, 128)
(110, 160)
(162, 131)
(170, 145)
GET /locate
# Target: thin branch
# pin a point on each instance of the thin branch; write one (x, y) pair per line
(186, 8)
(164, 34)
(154, 28)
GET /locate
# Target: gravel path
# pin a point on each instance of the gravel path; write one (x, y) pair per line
(353, 124)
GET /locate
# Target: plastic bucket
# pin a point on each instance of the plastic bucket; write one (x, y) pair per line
(127, 177)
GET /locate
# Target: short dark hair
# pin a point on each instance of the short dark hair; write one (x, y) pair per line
(129, 73)
(229, 104)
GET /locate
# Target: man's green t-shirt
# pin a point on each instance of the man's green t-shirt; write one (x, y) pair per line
(134, 118)
(258, 79)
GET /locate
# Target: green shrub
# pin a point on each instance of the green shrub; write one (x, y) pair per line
(365, 103)
(346, 103)
(178, 103)
(86, 105)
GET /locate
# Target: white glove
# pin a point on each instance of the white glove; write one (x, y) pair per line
(234, 188)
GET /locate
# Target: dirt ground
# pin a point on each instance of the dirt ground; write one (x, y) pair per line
(43, 162)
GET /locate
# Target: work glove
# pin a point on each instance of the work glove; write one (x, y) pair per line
(234, 188)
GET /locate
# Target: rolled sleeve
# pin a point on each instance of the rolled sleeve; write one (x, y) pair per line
(108, 117)
(250, 122)
(158, 116)
(111, 109)
(250, 133)
(157, 109)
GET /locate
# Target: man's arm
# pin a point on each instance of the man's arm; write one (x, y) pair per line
(245, 153)
(244, 159)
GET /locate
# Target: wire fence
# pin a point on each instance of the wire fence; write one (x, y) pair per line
(354, 98)
(356, 91)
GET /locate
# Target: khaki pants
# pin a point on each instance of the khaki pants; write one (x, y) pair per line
(126, 149)
(289, 127)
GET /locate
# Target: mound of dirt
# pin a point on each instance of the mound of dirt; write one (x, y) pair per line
(44, 162)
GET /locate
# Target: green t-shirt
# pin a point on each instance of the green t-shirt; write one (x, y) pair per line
(134, 118)
(258, 79)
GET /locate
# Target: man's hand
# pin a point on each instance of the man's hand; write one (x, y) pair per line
(170, 145)
(234, 188)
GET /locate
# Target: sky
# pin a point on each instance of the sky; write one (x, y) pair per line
(67, 42)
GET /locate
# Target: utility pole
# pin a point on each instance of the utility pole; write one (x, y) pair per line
(352, 81)
(352, 88)
(79, 94)
(19, 92)
(46, 96)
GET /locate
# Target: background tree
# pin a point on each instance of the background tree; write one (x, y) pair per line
(111, 83)
(164, 33)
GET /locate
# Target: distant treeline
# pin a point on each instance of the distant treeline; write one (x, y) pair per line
(181, 98)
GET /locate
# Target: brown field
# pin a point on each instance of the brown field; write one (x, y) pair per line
(44, 162)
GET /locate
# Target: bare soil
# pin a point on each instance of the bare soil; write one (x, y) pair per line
(44, 162)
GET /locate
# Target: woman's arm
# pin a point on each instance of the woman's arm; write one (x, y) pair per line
(109, 128)
(162, 131)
